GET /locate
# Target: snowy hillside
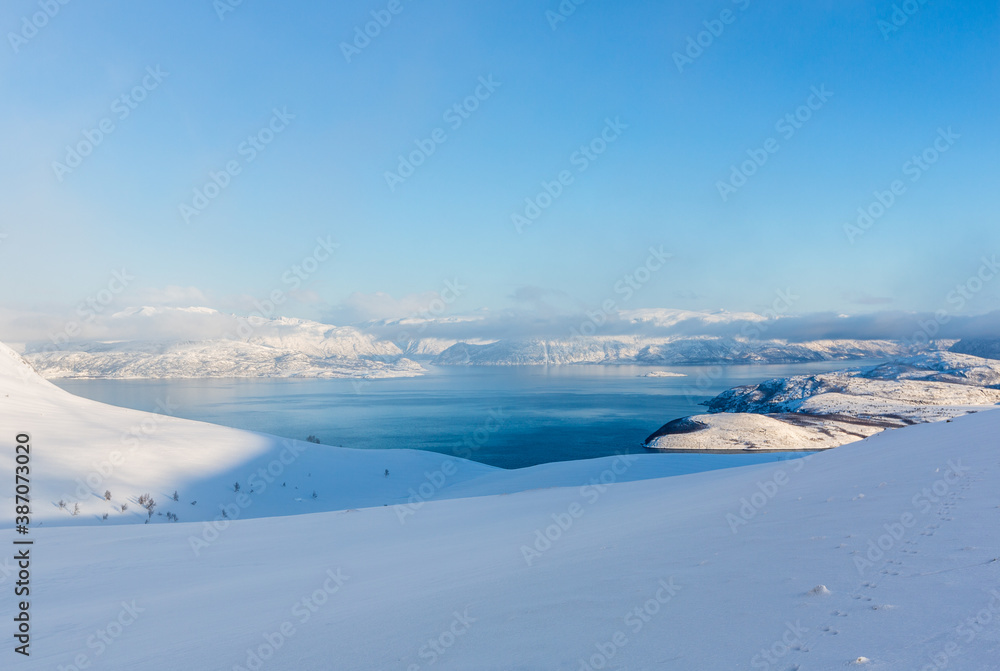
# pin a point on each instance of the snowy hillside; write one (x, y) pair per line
(881, 555)
(806, 412)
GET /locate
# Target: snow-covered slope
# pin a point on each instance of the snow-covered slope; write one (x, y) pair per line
(806, 412)
(880, 555)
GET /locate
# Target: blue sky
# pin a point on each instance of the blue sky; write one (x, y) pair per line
(656, 184)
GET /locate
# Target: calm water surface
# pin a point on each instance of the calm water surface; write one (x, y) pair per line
(538, 414)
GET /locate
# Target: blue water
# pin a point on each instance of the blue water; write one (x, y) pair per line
(508, 417)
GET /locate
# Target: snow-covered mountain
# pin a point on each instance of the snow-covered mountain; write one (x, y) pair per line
(877, 555)
(202, 342)
(663, 351)
(988, 348)
(807, 412)
(250, 347)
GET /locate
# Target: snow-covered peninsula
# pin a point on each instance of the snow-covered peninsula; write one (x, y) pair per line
(814, 412)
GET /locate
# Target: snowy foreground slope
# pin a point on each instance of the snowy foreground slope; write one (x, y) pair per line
(84, 448)
(715, 570)
(811, 412)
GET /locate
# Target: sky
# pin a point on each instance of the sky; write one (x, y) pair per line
(520, 157)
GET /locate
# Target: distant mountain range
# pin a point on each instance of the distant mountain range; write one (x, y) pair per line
(231, 346)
